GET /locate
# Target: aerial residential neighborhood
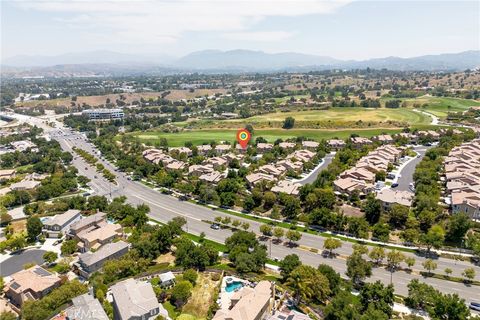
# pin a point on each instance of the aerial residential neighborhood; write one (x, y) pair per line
(240, 160)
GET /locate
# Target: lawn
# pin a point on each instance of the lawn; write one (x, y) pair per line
(198, 137)
(202, 297)
(342, 115)
(440, 106)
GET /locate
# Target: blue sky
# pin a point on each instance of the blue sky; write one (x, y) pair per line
(341, 29)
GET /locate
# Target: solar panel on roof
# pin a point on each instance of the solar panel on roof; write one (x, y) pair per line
(15, 286)
(42, 272)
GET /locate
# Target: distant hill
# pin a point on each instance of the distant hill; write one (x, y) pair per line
(255, 60)
(210, 61)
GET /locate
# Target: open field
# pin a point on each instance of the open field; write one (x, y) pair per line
(129, 97)
(202, 297)
(440, 106)
(347, 115)
(205, 136)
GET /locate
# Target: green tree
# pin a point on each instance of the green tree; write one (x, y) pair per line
(378, 297)
(334, 279)
(68, 247)
(34, 227)
(288, 123)
(429, 265)
(448, 271)
(278, 233)
(308, 284)
(266, 230)
(191, 276)
(394, 258)
(358, 268)
(50, 256)
(344, 306)
(450, 307)
(245, 226)
(469, 274)
(398, 215)
(181, 292)
(372, 208)
(377, 254)
(433, 238)
(360, 248)
(331, 244)
(381, 231)
(293, 236)
(236, 223)
(410, 261)
(288, 264)
(457, 227)
(7, 315)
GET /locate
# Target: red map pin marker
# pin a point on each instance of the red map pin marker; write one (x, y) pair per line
(243, 136)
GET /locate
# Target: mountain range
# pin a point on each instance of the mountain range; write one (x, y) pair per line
(114, 63)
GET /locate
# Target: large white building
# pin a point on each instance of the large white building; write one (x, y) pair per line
(104, 114)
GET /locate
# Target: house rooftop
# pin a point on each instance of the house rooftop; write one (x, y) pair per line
(61, 219)
(134, 298)
(104, 252)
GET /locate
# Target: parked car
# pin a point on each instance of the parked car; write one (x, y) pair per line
(474, 306)
(215, 226)
(394, 185)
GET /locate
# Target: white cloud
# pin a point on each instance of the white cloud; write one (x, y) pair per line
(150, 21)
(261, 36)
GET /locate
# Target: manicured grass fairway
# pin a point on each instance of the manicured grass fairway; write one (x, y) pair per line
(345, 115)
(205, 136)
(440, 106)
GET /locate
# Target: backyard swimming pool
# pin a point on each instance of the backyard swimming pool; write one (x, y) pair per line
(233, 286)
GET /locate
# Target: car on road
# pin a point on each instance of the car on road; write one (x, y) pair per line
(394, 185)
(86, 168)
(86, 194)
(215, 226)
(474, 306)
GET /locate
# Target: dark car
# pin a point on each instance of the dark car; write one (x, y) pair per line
(394, 185)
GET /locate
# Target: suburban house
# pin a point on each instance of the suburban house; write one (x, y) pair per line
(25, 185)
(287, 187)
(349, 186)
(180, 150)
(213, 177)
(336, 144)
(296, 166)
(264, 147)
(222, 149)
(288, 314)
(275, 171)
(95, 238)
(167, 279)
(58, 225)
(7, 174)
(175, 165)
(287, 145)
(389, 197)
(257, 177)
(24, 145)
(249, 303)
(88, 223)
(204, 149)
(302, 155)
(383, 138)
(360, 141)
(217, 162)
(311, 145)
(134, 299)
(359, 174)
(199, 169)
(90, 262)
(86, 307)
(410, 137)
(462, 175)
(30, 284)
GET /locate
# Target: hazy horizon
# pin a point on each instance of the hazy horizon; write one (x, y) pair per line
(347, 30)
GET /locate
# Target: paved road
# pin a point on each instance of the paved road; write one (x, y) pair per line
(313, 175)
(164, 208)
(17, 261)
(406, 175)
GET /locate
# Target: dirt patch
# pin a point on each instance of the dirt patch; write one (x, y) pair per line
(19, 225)
(202, 296)
(166, 258)
(350, 211)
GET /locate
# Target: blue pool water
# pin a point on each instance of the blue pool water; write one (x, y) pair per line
(233, 286)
